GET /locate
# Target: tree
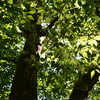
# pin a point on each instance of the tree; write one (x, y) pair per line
(71, 48)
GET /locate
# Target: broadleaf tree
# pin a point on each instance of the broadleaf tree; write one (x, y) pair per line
(49, 49)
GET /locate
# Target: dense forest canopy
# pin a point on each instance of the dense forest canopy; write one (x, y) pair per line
(57, 42)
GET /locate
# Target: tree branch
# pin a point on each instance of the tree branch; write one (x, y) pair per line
(52, 22)
(84, 84)
(86, 81)
(91, 81)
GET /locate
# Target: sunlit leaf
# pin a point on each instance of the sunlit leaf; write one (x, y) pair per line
(84, 54)
(28, 2)
(83, 70)
(32, 12)
(41, 11)
(10, 1)
(30, 17)
(99, 78)
(38, 23)
(91, 42)
(33, 4)
(92, 73)
(94, 62)
(22, 21)
(97, 37)
(90, 51)
(84, 38)
(98, 70)
(69, 16)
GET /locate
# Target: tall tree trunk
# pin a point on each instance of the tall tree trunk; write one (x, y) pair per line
(84, 85)
(24, 86)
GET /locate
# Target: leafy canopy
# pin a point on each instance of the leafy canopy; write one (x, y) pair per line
(71, 45)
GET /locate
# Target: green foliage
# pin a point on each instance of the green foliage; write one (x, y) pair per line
(71, 45)
(92, 73)
(33, 57)
(10, 1)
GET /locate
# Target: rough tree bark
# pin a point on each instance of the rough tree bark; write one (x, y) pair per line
(24, 85)
(84, 85)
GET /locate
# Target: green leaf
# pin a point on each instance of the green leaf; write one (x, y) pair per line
(38, 23)
(69, 16)
(33, 57)
(94, 62)
(92, 73)
(83, 70)
(98, 70)
(84, 54)
(90, 51)
(99, 78)
(91, 42)
(97, 37)
(33, 4)
(28, 2)
(22, 21)
(84, 38)
(41, 11)
(67, 92)
(30, 17)
(32, 12)
(10, 1)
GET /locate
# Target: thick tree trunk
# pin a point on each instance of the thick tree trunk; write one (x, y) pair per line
(84, 85)
(24, 85)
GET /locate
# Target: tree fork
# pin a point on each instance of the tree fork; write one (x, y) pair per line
(84, 85)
